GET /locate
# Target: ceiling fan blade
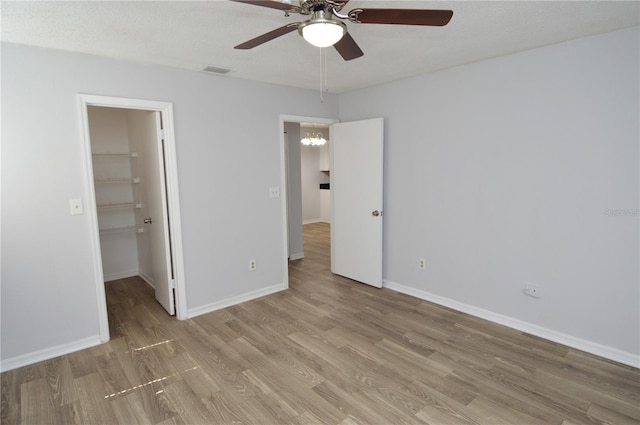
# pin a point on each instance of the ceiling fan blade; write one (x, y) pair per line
(403, 16)
(348, 48)
(268, 36)
(273, 4)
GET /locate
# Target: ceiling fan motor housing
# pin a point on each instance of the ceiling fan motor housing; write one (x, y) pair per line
(322, 18)
(310, 6)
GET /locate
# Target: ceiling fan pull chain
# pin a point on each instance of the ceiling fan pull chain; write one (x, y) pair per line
(326, 74)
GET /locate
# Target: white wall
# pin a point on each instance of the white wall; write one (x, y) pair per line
(502, 172)
(225, 170)
(294, 191)
(310, 157)
(325, 194)
(325, 206)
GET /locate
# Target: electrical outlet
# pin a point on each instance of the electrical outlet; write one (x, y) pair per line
(532, 290)
(252, 265)
(274, 192)
(422, 263)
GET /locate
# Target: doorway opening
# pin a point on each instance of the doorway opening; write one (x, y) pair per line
(304, 169)
(133, 204)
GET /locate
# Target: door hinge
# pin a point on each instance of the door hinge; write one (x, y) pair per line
(162, 134)
(172, 282)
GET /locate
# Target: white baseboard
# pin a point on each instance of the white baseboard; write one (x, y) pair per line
(297, 256)
(208, 308)
(147, 279)
(60, 350)
(120, 275)
(48, 353)
(559, 337)
(316, 220)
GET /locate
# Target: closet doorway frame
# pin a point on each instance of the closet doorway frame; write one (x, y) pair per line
(173, 204)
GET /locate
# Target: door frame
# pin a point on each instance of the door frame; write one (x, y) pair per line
(173, 205)
(284, 181)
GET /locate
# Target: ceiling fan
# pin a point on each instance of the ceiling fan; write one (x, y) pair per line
(326, 28)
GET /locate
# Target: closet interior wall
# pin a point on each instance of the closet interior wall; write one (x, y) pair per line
(118, 163)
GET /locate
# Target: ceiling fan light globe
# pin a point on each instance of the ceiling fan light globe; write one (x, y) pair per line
(323, 34)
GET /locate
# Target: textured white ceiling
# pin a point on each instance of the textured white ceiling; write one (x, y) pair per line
(192, 35)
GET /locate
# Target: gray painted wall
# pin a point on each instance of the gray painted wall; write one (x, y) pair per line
(511, 170)
(228, 154)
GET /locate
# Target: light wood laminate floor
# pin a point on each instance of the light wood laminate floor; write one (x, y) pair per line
(326, 351)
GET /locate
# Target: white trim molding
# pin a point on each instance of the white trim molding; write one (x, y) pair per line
(49, 353)
(147, 279)
(298, 256)
(208, 308)
(610, 353)
(120, 275)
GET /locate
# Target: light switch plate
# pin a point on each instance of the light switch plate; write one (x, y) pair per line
(76, 206)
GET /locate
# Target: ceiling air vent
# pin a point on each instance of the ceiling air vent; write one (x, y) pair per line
(216, 70)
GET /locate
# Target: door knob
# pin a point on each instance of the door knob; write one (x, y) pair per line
(148, 221)
(376, 213)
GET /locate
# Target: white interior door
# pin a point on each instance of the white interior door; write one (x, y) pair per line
(356, 191)
(157, 221)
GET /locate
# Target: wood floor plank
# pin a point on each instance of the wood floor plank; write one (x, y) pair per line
(410, 363)
(297, 396)
(10, 397)
(186, 404)
(450, 387)
(129, 409)
(235, 386)
(95, 407)
(588, 394)
(277, 370)
(71, 414)
(442, 404)
(610, 416)
(486, 410)
(214, 324)
(36, 406)
(387, 412)
(326, 351)
(552, 399)
(60, 382)
(496, 389)
(194, 376)
(346, 403)
(223, 410)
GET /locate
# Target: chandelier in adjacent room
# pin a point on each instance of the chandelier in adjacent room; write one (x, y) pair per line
(313, 139)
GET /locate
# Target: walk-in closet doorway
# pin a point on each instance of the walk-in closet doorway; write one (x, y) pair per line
(133, 204)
